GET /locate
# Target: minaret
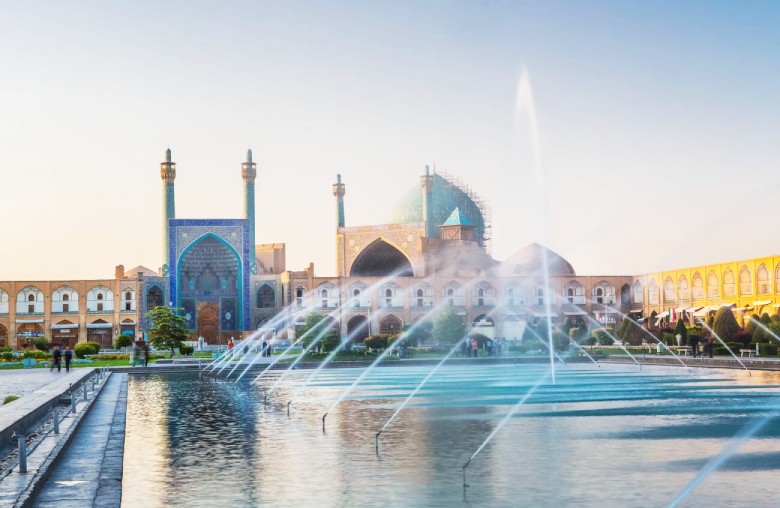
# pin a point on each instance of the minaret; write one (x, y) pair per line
(338, 191)
(426, 181)
(168, 175)
(248, 174)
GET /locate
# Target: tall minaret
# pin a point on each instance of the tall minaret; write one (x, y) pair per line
(248, 174)
(426, 181)
(338, 191)
(168, 175)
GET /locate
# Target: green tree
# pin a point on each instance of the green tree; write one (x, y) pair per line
(725, 324)
(314, 326)
(681, 330)
(123, 340)
(753, 324)
(448, 327)
(169, 328)
(41, 343)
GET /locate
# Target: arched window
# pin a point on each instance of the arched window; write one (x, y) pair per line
(762, 278)
(329, 296)
(713, 285)
(64, 299)
(682, 288)
(729, 286)
(154, 297)
(745, 281)
(638, 292)
(266, 297)
(128, 300)
(100, 299)
(3, 302)
(31, 298)
(604, 293)
(423, 296)
(29, 301)
(299, 294)
(574, 292)
(540, 296)
(454, 294)
(652, 292)
(698, 286)
(669, 295)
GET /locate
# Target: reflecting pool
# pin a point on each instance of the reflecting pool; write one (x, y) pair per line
(609, 436)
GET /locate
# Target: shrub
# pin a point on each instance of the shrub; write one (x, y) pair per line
(561, 341)
(83, 349)
(743, 338)
(767, 350)
(186, 350)
(591, 341)
(41, 343)
(7, 356)
(376, 342)
(725, 324)
(123, 340)
(38, 355)
(603, 337)
(9, 398)
(752, 324)
(668, 339)
(681, 330)
(6, 349)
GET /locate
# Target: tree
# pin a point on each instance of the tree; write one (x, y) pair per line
(681, 330)
(753, 324)
(41, 343)
(448, 327)
(314, 326)
(123, 340)
(725, 324)
(169, 328)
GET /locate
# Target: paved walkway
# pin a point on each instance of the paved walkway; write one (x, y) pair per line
(21, 382)
(90, 471)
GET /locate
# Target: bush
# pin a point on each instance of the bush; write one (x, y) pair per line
(668, 339)
(743, 338)
(9, 398)
(561, 341)
(725, 324)
(6, 349)
(123, 340)
(83, 349)
(603, 337)
(681, 330)
(7, 356)
(186, 350)
(766, 349)
(41, 343)
(38, 355)
(376, 342)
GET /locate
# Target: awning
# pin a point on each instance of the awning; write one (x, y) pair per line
(732, 305)
(545, 315)
(761, 302)
(746, 308)
(573, 310)
(23, 321)
(100, 325)
(64, 327)
(662, 315)
(702, 311)
(635, 311)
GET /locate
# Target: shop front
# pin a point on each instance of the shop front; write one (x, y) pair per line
(65, 333)
(101, 332)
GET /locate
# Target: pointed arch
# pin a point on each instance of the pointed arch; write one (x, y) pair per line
(652, 292)
(713, 285)
(639, 295)
(3, 301)
(154, 297)
(381, 258)
(729, 286)
(484, 295)
(64, 299)
(422, 296)
(326, 296)
(762, 280)
(574, 292)
(390, 325)
(100, 299)
(669, 292)
(745, 281)
(266, 296)
(29, 301)
(683, 290)
(697, 286)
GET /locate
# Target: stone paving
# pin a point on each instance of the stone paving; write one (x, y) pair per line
(89, 473)
(21, 382)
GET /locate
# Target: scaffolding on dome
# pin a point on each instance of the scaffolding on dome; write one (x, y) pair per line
(482, 206)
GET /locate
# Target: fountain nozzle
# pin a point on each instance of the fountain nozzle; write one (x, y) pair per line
(323, 421)
(288, 407)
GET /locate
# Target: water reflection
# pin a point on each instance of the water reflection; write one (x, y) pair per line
(195, 441)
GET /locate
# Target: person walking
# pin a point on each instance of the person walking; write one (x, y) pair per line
(146, 354)
(465, 348)
(708, 343)
(68, 357)
(474, 346)
(693, 340)
(56, 357)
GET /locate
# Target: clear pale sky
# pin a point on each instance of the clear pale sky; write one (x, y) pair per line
(659, 124)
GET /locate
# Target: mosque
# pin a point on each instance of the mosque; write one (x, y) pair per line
(434, 249)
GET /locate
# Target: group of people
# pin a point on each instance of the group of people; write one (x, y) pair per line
(265, 351)
(470, 347)
(140, 353)
(58, 355)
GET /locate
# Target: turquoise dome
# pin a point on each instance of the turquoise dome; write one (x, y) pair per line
(446, 197)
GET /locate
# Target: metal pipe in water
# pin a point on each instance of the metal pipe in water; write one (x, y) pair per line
(22, 452)
(323, 421)
(55, 421)
(288, 407)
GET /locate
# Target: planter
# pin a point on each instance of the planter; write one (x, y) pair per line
(216, 355)
(28, 362)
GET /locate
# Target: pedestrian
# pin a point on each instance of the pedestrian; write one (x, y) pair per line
(263, 352)
(474, 351)
(146, 354)
(230, 343)
(708, 343)
(68, 358)
(465, 348)
(56, 357)
(693, 340)
(489, 346)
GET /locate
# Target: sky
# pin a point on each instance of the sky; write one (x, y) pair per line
(657, 124)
